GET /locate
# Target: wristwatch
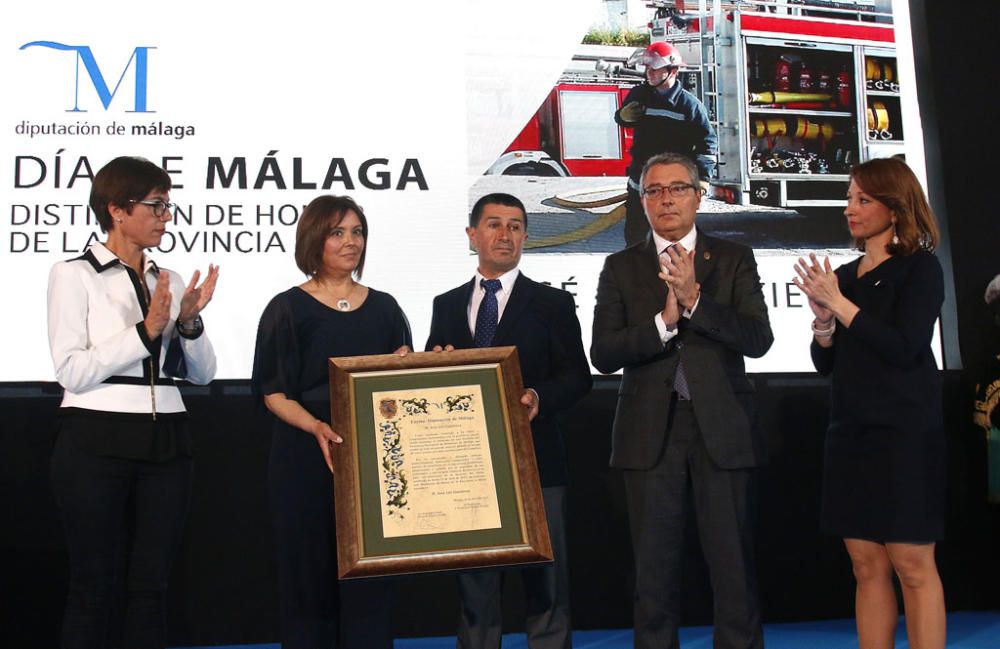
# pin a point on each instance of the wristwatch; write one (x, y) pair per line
(191, 329)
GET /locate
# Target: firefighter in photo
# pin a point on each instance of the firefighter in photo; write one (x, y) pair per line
(664, 118)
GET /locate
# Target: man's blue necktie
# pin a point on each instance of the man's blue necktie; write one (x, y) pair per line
(489, 312)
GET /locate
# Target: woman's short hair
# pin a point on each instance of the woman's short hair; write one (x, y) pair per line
(320, 216)
(124, 179)
(891, 182)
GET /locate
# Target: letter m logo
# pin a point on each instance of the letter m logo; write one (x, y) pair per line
(140, 56)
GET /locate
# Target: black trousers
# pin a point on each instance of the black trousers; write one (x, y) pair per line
(317, 611)
(658, 501)
(96, 497)
(546, 593)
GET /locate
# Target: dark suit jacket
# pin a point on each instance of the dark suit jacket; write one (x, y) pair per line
(729, 323)
(541, 322)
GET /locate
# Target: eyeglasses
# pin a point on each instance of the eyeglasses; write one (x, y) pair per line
(160, 208)
(676, 190)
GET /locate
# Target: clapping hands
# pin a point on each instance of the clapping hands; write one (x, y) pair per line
(819, 283)
(196, 297)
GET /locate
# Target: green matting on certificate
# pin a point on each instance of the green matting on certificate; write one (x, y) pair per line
(488, 379)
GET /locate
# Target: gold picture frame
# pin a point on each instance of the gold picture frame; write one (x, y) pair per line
(437, 469)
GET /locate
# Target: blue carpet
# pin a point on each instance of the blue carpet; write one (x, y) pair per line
(970, 630)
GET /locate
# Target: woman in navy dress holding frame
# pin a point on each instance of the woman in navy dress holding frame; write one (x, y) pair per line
(330, 314)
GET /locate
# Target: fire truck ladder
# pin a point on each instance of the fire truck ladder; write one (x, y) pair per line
(709, 43)
(859, 10)
(840, 9)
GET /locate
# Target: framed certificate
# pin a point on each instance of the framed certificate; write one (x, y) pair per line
(437, 470)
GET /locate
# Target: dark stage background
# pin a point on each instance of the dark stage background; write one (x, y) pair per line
(223, 589)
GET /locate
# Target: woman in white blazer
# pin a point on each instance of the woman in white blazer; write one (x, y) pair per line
(122, 330)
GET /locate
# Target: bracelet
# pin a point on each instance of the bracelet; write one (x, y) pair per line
(191, 329)
(824, 332)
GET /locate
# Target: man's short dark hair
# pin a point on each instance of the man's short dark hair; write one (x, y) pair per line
(121, 181)
(497, 198)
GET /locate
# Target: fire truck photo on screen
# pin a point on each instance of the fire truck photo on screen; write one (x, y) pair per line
(797, 91)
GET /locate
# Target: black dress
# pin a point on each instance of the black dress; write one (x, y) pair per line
(297, 334)
(884, 458)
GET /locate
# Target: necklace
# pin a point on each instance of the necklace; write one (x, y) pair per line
(342, 303)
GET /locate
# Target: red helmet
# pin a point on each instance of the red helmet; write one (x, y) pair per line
(660, 55)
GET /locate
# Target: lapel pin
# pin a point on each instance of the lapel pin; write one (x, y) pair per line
(707, 255)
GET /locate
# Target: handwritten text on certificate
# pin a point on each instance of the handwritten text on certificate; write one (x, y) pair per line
(435, 468)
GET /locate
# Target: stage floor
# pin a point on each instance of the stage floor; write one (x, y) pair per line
(968, 630)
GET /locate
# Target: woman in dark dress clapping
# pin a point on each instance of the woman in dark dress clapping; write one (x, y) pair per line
(331, 314)
(884, 477)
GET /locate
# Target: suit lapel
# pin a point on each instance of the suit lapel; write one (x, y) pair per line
(649, 267)
(520, 297)
(460, 309)
(704, 261)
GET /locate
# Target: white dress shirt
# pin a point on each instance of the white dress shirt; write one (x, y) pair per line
(478, 293)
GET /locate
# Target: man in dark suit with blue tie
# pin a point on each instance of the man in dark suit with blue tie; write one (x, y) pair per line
(501, 306)
(678, 312)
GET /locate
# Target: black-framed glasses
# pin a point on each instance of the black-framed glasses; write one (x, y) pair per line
(676, 190)
(160, 208)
